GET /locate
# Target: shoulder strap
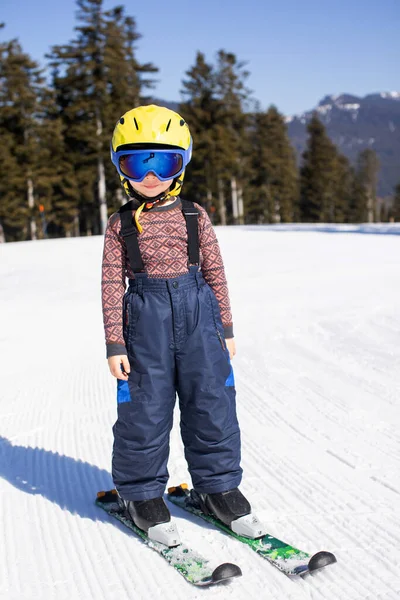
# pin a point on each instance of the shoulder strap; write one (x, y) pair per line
(191, 214)
(129, 232)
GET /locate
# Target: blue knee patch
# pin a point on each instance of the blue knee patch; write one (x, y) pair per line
(123, 393)
(230, 380)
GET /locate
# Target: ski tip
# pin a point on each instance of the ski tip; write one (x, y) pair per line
(179, 490)
(225, 571)
(320, 560)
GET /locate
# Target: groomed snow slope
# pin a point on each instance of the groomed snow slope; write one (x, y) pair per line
(317, 323)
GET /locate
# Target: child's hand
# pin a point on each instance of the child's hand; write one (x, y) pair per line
(119, 366)
(230, 344)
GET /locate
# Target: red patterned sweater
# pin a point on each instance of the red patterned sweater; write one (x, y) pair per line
(163, 246)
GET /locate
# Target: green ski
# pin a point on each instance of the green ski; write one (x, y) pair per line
(191, 565)
(291, 561)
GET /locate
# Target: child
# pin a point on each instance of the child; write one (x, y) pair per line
(165, 335)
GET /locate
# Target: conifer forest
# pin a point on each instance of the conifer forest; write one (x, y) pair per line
(57, 118)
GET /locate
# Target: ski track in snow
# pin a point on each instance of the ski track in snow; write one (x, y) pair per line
(318, 379)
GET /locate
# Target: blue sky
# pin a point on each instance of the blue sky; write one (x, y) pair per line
(297, 50)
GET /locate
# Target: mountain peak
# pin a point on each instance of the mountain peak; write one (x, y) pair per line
(339, 100)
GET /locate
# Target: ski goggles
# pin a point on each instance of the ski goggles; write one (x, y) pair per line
(165, 164)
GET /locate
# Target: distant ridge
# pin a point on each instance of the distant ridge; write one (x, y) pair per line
(354, 123)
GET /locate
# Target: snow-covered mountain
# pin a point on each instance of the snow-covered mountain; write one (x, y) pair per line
(354, 123)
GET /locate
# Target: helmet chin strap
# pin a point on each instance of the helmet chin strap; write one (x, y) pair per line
(146, 201)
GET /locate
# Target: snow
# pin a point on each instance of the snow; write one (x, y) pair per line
(349, 106)
(324, 109)
(316, 315)
(392, 95)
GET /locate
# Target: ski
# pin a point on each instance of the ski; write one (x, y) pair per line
(189, 563)
(291, 561)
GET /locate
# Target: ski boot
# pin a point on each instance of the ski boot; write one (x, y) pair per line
(232, 509)
(153, 517)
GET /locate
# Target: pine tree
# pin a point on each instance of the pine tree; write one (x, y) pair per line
(56, 187)
(357, 207)
(200, 109)
(97, 78)
(367, 170)
(13, 202)
(274, 184)
(343, 189)
(21, 88)
(395, 208)
(318, 175)
(230, 139)
(384, 211)
(214, 99)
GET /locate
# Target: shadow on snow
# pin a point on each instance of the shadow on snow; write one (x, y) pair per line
(70, 483)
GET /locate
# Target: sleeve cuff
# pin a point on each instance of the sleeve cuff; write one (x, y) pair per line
(228, 331)
(115, 350)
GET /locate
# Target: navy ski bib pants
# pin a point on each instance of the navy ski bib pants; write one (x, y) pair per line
(175, 344)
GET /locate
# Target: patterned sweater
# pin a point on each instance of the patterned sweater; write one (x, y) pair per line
(163, 246)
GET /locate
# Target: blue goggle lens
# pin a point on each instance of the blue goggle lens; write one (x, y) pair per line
(165, 165)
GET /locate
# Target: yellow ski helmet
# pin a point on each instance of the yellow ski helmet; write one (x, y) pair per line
(151, 126)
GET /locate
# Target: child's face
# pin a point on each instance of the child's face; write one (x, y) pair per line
(151, 186)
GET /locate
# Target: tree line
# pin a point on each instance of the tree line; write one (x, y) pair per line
(56, 177)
